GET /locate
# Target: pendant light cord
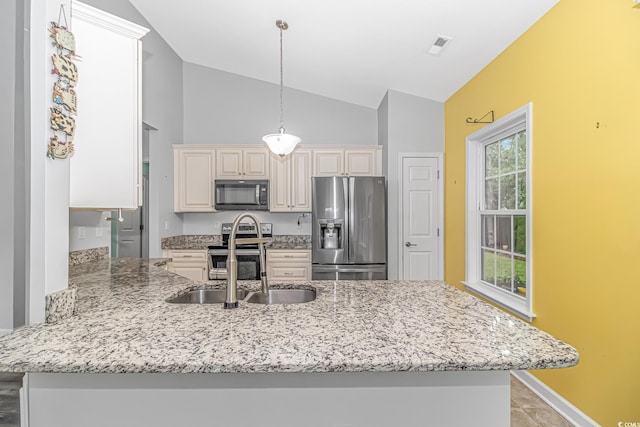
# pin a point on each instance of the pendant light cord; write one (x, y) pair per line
(281, 82)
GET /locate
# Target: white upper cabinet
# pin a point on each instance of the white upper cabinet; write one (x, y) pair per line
(249, 162)
(365, 161)
(290, 185)
(193, 177)
(106, 169)
(197, 166)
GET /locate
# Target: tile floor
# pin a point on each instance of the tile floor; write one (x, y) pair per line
(9, 399)
(527, 409)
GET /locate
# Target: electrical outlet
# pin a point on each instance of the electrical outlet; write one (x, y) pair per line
(166, 226)
(82, 233)
(99, 232)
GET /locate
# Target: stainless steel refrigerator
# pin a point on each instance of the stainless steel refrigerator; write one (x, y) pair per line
(349, 228)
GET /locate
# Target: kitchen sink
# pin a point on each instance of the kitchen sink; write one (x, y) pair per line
(204, 296)
(282, 296)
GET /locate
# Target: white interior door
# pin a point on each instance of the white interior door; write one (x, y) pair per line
(421, 241)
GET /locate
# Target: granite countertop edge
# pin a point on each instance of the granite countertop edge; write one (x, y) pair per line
(124, 325)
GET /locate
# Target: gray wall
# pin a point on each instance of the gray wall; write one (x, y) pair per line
(7, 122)
(414, 124)
(383, 131)
(162, 109)
(13, 166)
(225, 108)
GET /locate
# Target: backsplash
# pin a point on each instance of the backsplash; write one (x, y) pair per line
(201, 241)
(190, 241)
(60, 305)
(87, 255)
(291, 241)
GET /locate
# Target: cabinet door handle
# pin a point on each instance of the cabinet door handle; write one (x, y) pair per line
(187, 256)
(288, 256)
(409, 244)
(288, 273)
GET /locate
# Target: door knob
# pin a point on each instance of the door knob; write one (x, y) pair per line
(409, 244)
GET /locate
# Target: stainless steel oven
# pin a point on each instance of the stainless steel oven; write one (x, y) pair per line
(248, 256)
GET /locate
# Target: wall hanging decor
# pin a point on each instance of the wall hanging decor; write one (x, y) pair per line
(63, 95)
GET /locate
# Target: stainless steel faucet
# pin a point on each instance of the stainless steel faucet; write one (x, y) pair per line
(231, 300)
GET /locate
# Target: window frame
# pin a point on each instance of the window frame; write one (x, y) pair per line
(520, 119)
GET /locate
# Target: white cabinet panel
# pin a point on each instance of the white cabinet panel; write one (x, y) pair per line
(285, 264)
(190, 263)
(360, 162)
(193, 178)
(242, 162)
(328, 162)
(365, 161)
(106, 172)
(290, 182)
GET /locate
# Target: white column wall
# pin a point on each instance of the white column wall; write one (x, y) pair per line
(47, 267)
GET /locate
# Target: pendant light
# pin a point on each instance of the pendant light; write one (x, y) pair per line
(281, 143)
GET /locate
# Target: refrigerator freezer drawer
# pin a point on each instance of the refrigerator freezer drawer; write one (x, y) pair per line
(349, 272)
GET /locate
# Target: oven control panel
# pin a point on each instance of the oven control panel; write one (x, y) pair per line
(248, 228)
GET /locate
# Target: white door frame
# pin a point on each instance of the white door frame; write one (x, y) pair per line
(440, 157)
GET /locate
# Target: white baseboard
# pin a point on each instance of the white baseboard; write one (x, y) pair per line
(574, 415)
(5, 331)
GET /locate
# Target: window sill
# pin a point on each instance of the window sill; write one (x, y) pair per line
(511, 303)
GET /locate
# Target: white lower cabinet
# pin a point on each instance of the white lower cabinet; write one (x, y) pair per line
(287, 264)
(190, 263)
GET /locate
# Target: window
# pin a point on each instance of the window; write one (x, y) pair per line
(498, 246)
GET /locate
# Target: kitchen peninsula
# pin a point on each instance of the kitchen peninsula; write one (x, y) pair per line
(362, 353)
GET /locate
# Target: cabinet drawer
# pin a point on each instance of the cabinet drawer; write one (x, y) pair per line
(180, 256)
(292, 256)
(287, 272)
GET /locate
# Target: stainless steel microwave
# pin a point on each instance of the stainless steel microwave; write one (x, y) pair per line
(242, 194)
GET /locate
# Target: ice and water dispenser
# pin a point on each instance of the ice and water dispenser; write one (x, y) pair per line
(331, 236)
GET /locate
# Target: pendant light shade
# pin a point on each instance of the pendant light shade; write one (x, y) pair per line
(281, 143)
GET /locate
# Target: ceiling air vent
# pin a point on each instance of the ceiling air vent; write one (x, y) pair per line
(438, 44)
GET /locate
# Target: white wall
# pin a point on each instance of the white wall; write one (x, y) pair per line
(47, 183)
(414, 124)
(161, 109)
(89, 229)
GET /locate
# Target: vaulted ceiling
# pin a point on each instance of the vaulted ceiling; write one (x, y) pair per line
(351, 50)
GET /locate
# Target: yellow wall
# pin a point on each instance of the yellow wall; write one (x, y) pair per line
(579, 65)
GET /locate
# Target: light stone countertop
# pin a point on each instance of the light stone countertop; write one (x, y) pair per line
(124, 325)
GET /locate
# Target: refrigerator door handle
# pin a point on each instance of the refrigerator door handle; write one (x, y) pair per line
(352, 240)
(349, 269)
